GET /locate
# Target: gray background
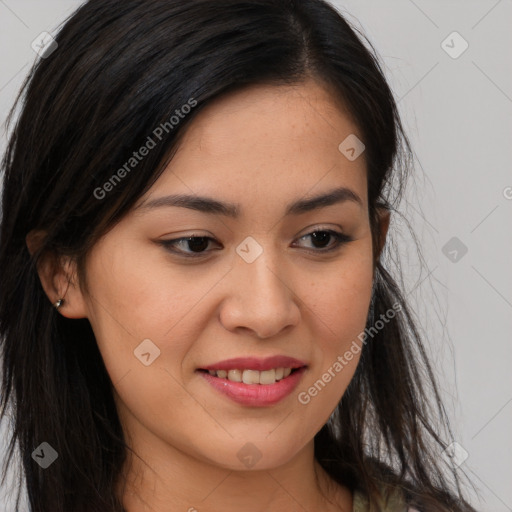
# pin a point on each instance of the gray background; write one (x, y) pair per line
(457, 113)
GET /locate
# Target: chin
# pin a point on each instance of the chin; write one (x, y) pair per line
(247, 455)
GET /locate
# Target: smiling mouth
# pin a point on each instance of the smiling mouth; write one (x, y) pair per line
(247, 376)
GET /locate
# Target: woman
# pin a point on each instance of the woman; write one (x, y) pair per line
(193, 309)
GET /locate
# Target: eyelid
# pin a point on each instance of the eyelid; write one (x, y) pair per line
(340, 240)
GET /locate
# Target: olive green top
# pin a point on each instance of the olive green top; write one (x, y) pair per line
(395, 503)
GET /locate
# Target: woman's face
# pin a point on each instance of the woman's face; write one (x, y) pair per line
(269, 280)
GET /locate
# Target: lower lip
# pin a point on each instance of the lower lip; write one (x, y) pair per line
(256, 395)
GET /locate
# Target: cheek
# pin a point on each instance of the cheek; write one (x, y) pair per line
(133, 300)
(338, 312)
(145, 291)
(340, 302)
(132, 303)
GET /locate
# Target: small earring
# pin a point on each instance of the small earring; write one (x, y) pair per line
(58, 304)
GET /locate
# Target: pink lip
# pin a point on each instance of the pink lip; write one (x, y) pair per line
(254, 363)
(256, 395)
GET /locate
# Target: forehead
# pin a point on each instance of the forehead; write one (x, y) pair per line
(266, 141)
(275, 114)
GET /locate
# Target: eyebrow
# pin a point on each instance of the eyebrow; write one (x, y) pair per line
(213, 206)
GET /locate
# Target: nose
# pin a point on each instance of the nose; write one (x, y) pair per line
(260, 299)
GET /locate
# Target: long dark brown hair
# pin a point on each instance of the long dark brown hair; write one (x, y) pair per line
(119, 70)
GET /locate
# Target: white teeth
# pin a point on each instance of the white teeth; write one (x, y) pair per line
(235, 375)
(267, 377)
(253, 376)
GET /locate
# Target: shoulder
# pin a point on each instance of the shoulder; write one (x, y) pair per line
(394, 500)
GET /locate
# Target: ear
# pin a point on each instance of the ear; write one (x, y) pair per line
(59, 278)
(384, 216)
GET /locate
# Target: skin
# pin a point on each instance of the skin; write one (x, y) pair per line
(261, 148)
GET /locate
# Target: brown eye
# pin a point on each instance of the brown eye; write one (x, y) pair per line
(323, 241)
(190, 247)
(327, 240)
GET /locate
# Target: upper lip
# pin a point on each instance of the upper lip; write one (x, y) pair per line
(256, 363)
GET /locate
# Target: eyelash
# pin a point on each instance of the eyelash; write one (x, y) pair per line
(340, 240)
